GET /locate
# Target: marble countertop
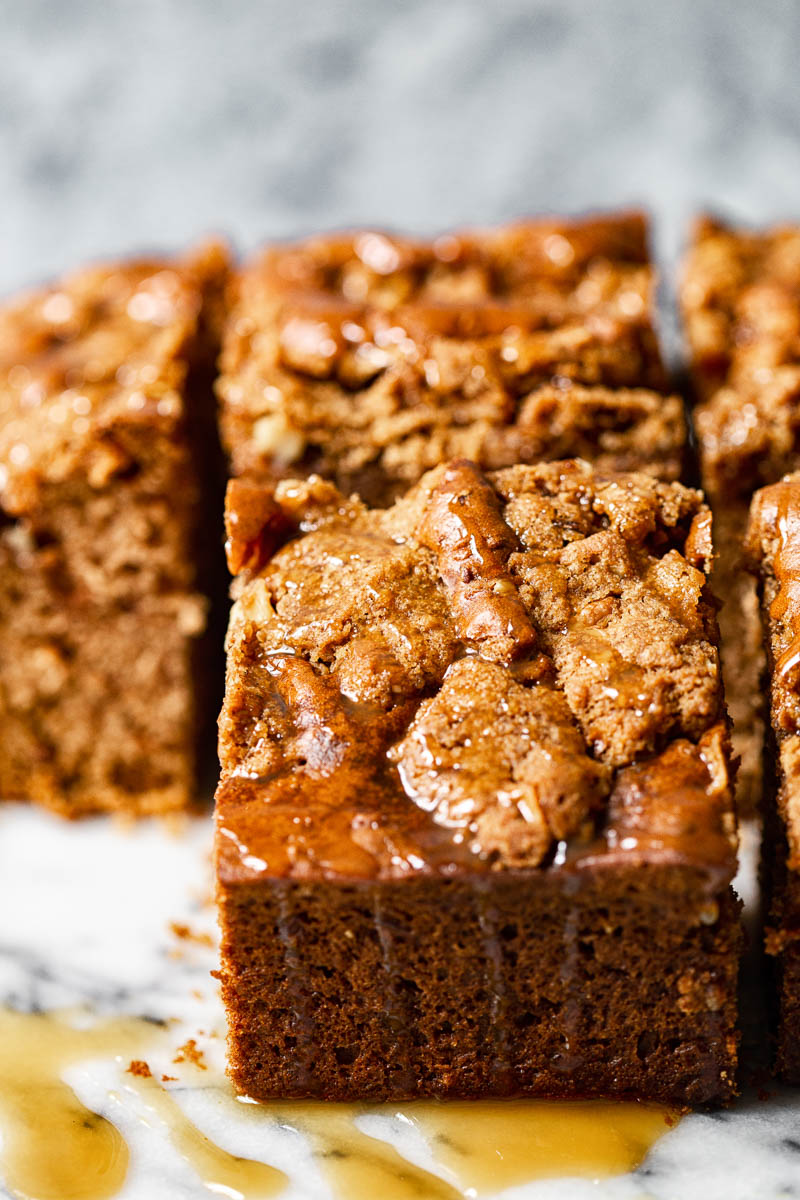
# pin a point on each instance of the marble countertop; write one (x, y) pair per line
(89, 927)
(132, 125)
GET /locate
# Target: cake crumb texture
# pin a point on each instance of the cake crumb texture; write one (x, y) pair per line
(108, 557)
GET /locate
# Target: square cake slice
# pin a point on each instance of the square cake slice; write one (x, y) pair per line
(110, 538)
(370, 358)
(741, 304)
(773, 552)
(474, 829)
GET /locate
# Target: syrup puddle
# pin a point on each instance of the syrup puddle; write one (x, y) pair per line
(220, 1171)
(356, 1165)
(484, 1146)
(54, 1148)
(500, 1144)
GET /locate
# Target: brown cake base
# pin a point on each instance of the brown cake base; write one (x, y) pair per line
(780, 888)
(782, 906)
(606, 980)
(787, 981)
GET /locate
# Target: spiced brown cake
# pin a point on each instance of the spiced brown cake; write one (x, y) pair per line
(370, 358)
(773, 550)
(741, 304)
(110, 534)
(475, 833)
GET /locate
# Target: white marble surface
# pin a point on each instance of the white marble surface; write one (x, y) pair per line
(125, 125)
(85, 922)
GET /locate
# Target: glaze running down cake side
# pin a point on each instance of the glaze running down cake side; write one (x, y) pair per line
(475, 834)
(773, 552)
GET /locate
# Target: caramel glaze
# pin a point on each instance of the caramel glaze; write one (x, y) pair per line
(337, 806)
(472, 542)
(221, 1173)
(339, 303)
(484, 1147)
(786, 605)
(255, 525)
(514, 261)
(493, 1145)
(674, 809)
(773, 546)
(322, 336)
(321, 327)
(54, 1148)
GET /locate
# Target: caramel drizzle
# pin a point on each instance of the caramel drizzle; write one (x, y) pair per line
(464, 528)
(54, 1148)
(785, 608)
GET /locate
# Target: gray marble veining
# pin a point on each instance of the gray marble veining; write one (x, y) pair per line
(130, 125)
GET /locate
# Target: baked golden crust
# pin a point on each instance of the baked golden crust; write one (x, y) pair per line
(773, 554)
(741, 304)
(101, 352)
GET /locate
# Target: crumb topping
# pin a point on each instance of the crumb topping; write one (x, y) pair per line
(190, 1052)
(470, 668)
(370, 367)
(741, 302)
(80, 362)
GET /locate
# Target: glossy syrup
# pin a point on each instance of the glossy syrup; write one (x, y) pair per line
(355, 1165)
(497, 1144)
(221, 1172)
(786, 605)
(54, 1148)
(482, 1147)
